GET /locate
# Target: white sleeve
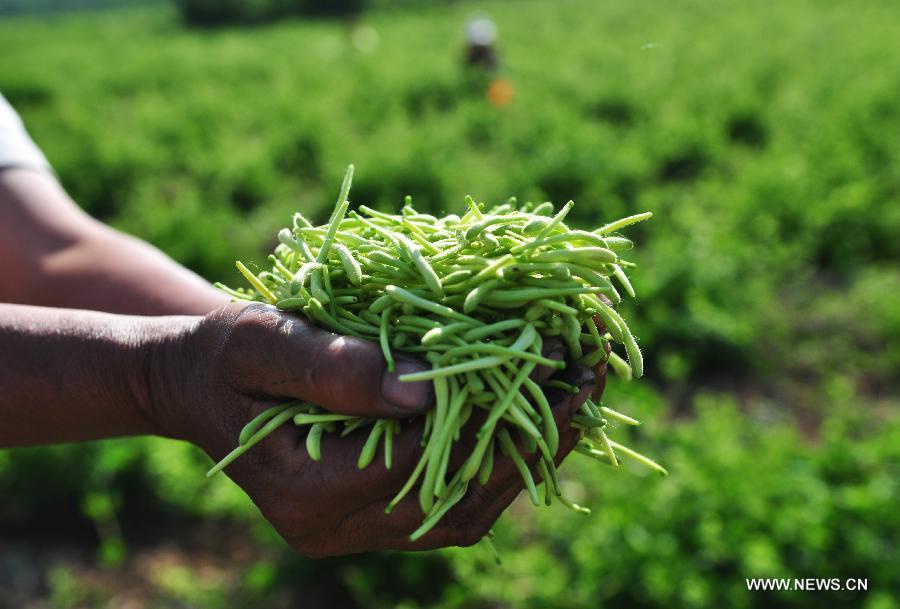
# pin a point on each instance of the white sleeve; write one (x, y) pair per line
(16, 147)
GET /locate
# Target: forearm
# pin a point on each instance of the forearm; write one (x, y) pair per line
(53, 254)
(112, 272)
(68, 375)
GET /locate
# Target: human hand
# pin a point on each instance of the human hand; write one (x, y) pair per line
(217, 375)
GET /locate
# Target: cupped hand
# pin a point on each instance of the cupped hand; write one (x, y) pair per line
(240, 360)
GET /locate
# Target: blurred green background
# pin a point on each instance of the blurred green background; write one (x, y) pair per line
(764, 136)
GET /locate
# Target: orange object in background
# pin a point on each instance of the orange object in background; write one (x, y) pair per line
(500, 92)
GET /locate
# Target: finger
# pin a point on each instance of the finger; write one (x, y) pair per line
(369, 528)
(505, 495)
(469, 521)
(282, 464)
(461, 526)
(376, 486)
(486, 503)
(564, 405)
(261, 465)
(600, 371)
(285, 474)
(472, 518)
(601, 327)
(338, 468)
(375, 480)
(554, 349)
(576, 375)
(279, 355)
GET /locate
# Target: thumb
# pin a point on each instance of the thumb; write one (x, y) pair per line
(280, 355)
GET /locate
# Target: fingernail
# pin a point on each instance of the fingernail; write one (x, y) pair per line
(413, 396)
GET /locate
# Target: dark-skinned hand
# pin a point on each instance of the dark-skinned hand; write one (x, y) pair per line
(240, 360)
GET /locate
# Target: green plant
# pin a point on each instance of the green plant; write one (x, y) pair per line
(475, 295)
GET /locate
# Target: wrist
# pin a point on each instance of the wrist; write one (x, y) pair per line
(161, 370)
(69, 375)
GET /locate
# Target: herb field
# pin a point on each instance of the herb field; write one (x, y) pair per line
(765, 139)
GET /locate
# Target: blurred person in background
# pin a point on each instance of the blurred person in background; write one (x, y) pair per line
(481, 36)
(102, 335)
(482, 60)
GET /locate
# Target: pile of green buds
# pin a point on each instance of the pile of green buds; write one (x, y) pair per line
(475, 296)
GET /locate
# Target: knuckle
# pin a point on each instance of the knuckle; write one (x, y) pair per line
(250, 341)
(480, 497)
(470, 534)
(248, 324)
(346, 366)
